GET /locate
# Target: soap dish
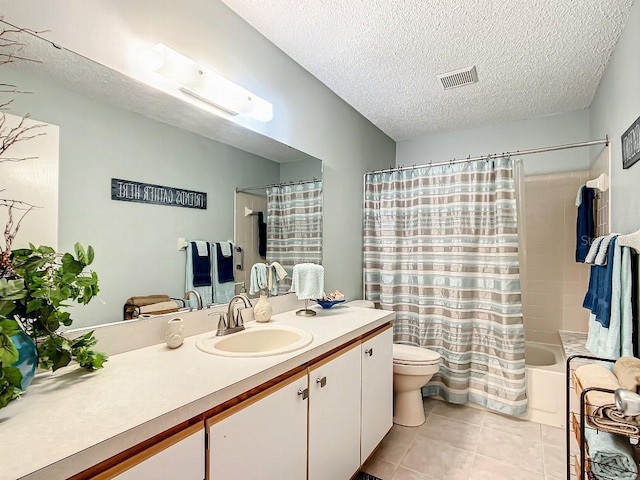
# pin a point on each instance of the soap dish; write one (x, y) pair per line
(329, 303)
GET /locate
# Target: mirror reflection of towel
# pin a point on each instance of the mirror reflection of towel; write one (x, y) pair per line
(225, 265)
(262, 235)
(201, 266)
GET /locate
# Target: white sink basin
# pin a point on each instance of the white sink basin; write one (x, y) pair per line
(257, 341)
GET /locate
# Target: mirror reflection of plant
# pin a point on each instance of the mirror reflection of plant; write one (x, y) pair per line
(45, 284)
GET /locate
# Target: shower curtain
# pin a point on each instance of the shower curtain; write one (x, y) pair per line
(441, 250)
(294, 226)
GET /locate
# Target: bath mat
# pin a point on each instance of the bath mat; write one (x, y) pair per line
(365, 476)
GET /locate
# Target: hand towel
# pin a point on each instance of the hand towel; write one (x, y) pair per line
(201, 266)
(593, 251)
(224, 262)
(262, 234)
(579, 195)
(585, 225)
(611, 456)
(601, 257)
(205, 291)
(280, 271)
(202, 247)
(307, 281)
(258, 278)
(627, 371)
(226, 248)
(598, 297)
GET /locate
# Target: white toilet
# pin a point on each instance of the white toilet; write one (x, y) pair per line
(413, 367)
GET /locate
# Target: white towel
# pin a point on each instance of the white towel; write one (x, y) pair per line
(307, 281)
(579, 196)
(603, 250)
(593, 250)
(225, 249)
(279, 270)
(201, 246)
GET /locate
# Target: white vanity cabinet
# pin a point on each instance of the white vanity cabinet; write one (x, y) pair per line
(377, 390)
(179, 456)
(334, 416)
(263, 437)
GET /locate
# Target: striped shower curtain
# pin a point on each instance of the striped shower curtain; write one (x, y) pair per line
(294, 226)
(441, 250)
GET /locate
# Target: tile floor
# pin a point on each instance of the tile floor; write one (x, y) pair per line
(465, 443)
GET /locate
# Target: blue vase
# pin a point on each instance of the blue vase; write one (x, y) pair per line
(27, 357)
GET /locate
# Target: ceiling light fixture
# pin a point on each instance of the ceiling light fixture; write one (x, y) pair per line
(198, 82)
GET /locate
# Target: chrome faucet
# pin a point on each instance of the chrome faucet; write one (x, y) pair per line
(198, 298)
(232, 321)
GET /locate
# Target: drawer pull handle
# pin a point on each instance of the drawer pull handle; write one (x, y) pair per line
(304, 393)
(369, 351)
(322, 381)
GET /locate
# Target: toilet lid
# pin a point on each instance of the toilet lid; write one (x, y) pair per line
(410, 355)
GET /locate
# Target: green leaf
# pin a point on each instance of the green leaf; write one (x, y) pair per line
(9, 327)
(12, 289)
(13, 376)
(8, 352)
(81, 255)
(90, 255)
(61, 359)
(6, 307)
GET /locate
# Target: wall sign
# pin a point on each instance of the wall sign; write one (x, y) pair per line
(130, 191)
(631, 145)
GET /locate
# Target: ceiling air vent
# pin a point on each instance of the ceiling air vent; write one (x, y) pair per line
(458, 78)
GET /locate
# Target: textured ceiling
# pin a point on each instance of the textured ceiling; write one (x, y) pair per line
(534, 58)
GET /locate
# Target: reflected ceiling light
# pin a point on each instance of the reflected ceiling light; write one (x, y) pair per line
(207, 86)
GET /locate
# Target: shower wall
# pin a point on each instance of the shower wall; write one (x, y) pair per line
(554, 285)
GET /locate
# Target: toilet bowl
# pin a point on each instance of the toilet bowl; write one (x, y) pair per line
(413, 367)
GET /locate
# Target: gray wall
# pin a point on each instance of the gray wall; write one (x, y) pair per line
(307, 115)
(300, 170)
(614, 108)
(136, 244)
(522, 135)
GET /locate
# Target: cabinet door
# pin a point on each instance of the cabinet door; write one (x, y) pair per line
(334, 417)
(264, 437)
(377, 390)
(180, 456)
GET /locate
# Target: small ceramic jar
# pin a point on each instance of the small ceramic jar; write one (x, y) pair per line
(174, 335)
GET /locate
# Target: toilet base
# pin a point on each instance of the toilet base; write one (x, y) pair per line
(408, 409)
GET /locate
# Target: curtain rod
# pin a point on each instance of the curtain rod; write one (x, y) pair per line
(283, 184)
(604, 141)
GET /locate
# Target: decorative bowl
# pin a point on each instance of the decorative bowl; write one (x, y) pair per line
(329, 303)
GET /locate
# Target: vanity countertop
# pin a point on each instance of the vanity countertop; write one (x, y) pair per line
(72, 419)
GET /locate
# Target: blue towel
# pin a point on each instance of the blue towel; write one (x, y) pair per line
(585, 227)
(201, 266)
(262, 235)
(617, 340)
(225, 266)
(598, 297)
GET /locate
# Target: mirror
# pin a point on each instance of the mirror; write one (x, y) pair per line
(276, 227)
(112, 126)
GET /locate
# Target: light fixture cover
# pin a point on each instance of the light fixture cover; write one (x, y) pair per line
(207, 86)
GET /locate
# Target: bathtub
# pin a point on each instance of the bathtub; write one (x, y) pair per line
(545, 383)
